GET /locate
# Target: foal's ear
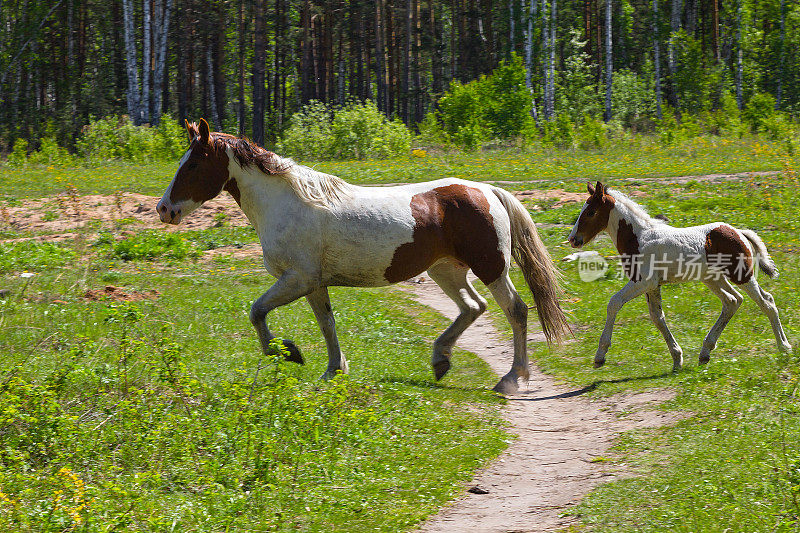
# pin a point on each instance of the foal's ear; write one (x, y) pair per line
(590, 188)
(205, 131)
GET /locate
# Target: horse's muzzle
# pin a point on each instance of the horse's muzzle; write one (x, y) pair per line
(576, 241)
(168, 213)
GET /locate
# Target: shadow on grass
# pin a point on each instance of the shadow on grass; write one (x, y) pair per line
(589, 388)
(426, 384)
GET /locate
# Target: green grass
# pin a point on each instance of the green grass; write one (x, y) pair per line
(641, 156)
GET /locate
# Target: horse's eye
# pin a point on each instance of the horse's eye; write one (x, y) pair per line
(590, 213)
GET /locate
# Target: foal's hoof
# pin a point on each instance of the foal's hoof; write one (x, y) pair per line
(704, 359)
(506, 386)
(294, 352)
(440, 368)
(599, 362)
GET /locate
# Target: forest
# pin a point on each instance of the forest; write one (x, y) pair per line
(249, 65)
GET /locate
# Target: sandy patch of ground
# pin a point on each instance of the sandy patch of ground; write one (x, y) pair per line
(562, 437)
(63, 214)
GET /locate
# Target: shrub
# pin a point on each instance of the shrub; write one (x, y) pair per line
(759, 109)
(19, 154)
(494, 106)
(50, 153)
(115, 137)
(576, 93)
(354, 131)
(559, 132)
(632, 97)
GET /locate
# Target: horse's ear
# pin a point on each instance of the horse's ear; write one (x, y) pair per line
(599, 189)
(205, 131)
(590, 188)
(191, 130)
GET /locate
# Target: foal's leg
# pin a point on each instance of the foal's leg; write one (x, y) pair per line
(452, 278)
(517, 314)
(320, 303)
(767, 304)
(630, 291)
(289, 287)
(657, 316)
(731, 300)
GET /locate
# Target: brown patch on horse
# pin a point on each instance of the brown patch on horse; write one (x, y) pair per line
(725, 248)
(451, 221)
(628, 247)
(203, 175)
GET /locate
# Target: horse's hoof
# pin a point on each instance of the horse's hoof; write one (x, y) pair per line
(599, 363)
(440, 368)
(294, 352)
(506, 386)
(704, 359)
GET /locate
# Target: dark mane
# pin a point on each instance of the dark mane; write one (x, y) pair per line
(248, 153)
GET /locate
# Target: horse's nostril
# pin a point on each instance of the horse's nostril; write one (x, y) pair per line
(172, 214)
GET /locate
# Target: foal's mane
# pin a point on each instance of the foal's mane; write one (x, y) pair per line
(633, 212)
(316, 188)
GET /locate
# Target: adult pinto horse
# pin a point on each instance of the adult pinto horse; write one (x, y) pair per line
(317, 231)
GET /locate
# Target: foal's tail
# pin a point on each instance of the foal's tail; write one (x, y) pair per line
(537, 267)
(765, 262)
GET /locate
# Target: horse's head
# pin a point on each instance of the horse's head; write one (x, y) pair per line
(202, 174)
(594, 215)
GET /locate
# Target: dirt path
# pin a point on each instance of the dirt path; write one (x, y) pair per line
(549, 467)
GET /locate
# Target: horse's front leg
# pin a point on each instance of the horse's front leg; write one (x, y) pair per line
(625, 295)
(320, 304)
(289, 287)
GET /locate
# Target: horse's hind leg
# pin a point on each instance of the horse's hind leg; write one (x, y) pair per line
(767, 304)
(731, 300)
(516, 312)
(452, 278)
(657, 316)
(320, 304)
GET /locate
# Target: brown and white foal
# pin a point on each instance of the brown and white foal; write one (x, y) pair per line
(317, 231)
(654, 253)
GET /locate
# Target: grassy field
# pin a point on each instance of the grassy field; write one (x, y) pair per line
(640, 157)
(160, 414)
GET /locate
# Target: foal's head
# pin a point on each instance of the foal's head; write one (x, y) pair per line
(202, 174)
(594, 215)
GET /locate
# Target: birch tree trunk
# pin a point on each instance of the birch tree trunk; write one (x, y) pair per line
(242, 32)
(511, 26)
(162, 15)
(657, 59)
(380, 59)
(609, 62)
(259, 59)
(146, 58)
(779, 94)
(739, 67)
(551, 80)
(212, 89)
(675, 26)
(529, 58)
(131, 63)
(406, 81)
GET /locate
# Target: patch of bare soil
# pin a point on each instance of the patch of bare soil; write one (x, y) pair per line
(63, 214)
(118, 294)
(560, 432)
